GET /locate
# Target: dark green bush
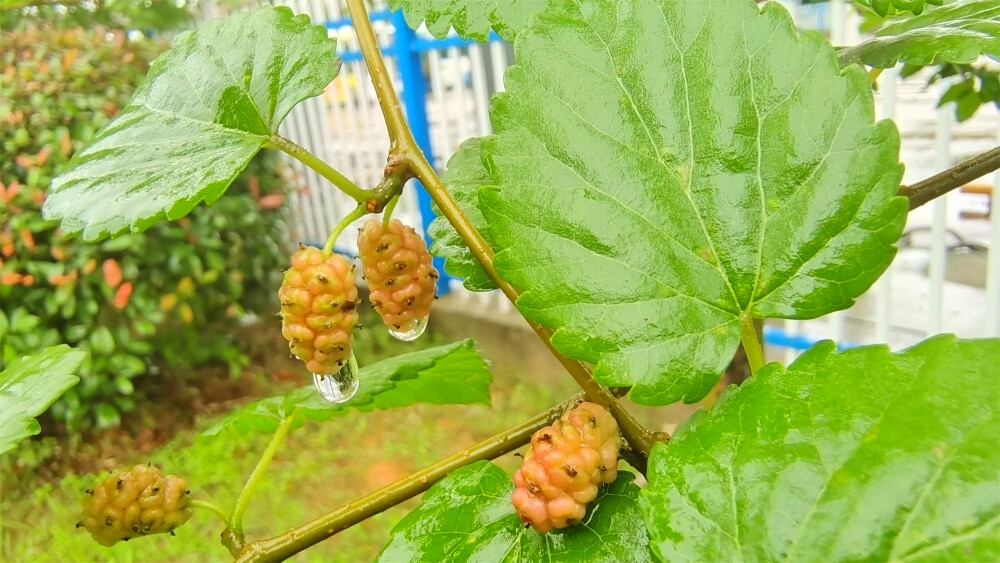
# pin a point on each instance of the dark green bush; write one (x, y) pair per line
(138, 303)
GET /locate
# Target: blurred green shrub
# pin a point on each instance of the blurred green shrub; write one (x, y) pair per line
(165, 298)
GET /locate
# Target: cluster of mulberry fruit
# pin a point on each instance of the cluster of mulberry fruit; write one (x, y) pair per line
(135, 503)
(564, 467)
(319, 309)
(401, 279)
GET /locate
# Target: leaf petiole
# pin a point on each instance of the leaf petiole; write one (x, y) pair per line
(236, 519)
(751, 344)
(343, 183)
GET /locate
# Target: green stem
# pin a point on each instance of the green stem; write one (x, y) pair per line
(342, 182)
(751, 344)
(236, 519)
(874, 73)
(387, 212)
(281, 547)
(347, 220)
(639, 439)
(195, 503)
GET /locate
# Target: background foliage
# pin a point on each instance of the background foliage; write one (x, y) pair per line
(136, 301)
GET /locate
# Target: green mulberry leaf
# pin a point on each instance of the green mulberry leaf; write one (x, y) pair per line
(445, 375)
(29, 385)
(207, 106)
(954, 33)
(464, 175)
(663, 169)
(862, 455)
(472, 19)
(468, 516)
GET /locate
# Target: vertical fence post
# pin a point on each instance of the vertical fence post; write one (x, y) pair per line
(414, 82)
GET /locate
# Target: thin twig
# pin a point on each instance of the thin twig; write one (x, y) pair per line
(402, 142)
(954, 177)
(311, 533)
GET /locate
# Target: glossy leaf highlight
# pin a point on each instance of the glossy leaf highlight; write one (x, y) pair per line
(29, 385)
(471, 19)
(464, 175)
(663, 167)
(444, 375)
(207, 106)
(468, 516)
(958, 32)
(862, 455)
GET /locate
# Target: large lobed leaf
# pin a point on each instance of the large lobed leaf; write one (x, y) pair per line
(468, 516)
(464, 175)
(958, 32)
(208, 105)
(861, 455)
(471, 19)
(663, 168)
(450, 374)
(29, 385)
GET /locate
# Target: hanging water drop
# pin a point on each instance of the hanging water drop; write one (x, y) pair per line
(412, 332)
(341, 386)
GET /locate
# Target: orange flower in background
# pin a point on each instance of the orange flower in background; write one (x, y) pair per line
(272, 201)
(10, 278)
(112, 272)
(7, 193)
(90, 266)
(123, 295)
(6, 245)
(63, 279)
(28, 280)
(27, 239)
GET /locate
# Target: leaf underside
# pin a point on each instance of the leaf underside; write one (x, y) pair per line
(29, 385)
(661, 168)
(471, 19)
(207, 106)
(444, 375)
(464, 175)
(468, 516)
(959, 33)
(861, 455)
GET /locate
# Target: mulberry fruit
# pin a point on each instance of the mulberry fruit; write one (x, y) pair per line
(319, 309)
(400, 276)
(135, 503)
(564, 466)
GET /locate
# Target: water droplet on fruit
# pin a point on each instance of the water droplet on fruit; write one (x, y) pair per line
(341, 386)
(412, 333)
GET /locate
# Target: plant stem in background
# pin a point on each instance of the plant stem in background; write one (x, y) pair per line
(954, 177)
(347, 220)
(210, 506)
(751, 344)
(281, 547)
(236, 519)
(343, 183)
(402, 142)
